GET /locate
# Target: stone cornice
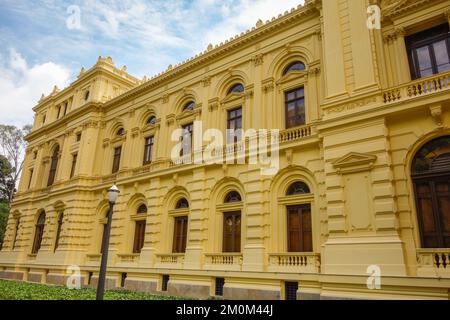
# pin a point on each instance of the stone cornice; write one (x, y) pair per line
(89, 107)
(310, 8)
(87, 75)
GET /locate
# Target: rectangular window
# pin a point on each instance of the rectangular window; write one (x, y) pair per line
(180, 234)
(165, 282)
(234, 123)
(59, 112)
(299, 228)
(139, 236)
(232, 232)
(58, 230)
(30, 179)
(78, 138)
(290, 290)
(116, 160)
(65, 108)
(295, 108)
(429, 51)
(122, 280)
(220, 282)
(187, 139)
(74, 164)
(148, 150)
(16, 233)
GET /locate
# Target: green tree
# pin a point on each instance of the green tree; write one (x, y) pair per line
(6, 181)
(4, 212)
(12, 146)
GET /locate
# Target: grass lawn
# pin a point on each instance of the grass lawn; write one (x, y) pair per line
(11, 290)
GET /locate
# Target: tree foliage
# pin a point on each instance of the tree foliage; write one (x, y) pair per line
(12, 146)
(4, 212)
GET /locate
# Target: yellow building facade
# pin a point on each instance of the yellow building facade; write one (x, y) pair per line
(360, 205)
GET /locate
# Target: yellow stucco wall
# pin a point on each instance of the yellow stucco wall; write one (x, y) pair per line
(355, 153)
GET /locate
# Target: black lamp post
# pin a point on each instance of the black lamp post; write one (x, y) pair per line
(113, 193)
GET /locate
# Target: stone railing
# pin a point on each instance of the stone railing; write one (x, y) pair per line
(170, 260)
(418, 88)
(295, 262)
(93, 258)
(295, 133)
(128, 258)
(433, 262)
(223, 261)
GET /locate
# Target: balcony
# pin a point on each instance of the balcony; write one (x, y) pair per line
(128, 258)
(170, 261)
(294, 262)
(223, 261)
(418, 88)
(433, 262)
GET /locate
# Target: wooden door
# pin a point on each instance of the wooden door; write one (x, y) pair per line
(299, 228)
(232, 232)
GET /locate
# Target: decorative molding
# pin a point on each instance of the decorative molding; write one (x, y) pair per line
(351, 105)
(436, 114)
(258, 59)
(170, 119)
(213, 104)
(206, 81)
(354, 162)
(268, 85)
(135, 132)
(165, 98)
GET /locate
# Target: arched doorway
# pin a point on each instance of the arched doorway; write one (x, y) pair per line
(431, 178)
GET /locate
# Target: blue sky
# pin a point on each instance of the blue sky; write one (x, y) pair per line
(42, 45)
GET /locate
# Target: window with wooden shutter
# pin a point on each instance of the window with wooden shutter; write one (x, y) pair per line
(38, 234)
(232, 232)
(299, 228)
(116, 160)
(53, 166)
(431, 177)
(180, 234)
(139, 236)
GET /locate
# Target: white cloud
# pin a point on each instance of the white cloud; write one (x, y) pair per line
(21, 87)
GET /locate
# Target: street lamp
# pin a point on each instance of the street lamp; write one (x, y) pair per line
(113, 193)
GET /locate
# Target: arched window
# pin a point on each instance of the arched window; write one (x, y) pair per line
(233, 196)
(236, 88)
(298, 188)
(151, 120)
(182, 204)
(294, 66)
(58, 230)
(38, 233)
(139, 231)
(53, 166)
(431, 178)
(120, 132)
(189, 106)
(142, 209)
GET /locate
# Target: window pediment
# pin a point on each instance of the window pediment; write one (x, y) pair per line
(293, 75)
(354, 162)
(190, 114)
